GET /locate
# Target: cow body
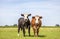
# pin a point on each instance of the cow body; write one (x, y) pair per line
(23, 24)
(36, 24)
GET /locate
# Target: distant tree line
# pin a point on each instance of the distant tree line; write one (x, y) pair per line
(57, 25)
(11, 25)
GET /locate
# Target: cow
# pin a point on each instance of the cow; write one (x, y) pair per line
(24, 23)
(36, 24)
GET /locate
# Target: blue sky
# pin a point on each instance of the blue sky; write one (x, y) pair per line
(10, 11)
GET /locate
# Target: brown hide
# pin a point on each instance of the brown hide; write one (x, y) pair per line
(33, 22)
(34, 26)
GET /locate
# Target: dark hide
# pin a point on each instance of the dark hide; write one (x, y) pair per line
(23, 25)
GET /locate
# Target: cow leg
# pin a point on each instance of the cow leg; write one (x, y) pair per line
(37, 32)
(23, 31)
(29, 30)
(34, 31)
(18, 30)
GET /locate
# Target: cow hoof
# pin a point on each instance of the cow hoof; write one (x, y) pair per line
(18, 34)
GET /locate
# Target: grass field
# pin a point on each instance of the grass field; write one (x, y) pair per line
(45, 33)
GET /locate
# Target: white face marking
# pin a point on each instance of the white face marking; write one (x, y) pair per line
(36, 19)
(25, 16)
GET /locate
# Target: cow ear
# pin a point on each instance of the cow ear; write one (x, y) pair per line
(29, 15)
(40, 17)
(22, 14)
(33, 17)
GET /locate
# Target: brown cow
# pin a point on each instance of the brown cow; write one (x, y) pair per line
(36, 24)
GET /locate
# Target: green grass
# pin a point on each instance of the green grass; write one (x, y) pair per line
(44, 33)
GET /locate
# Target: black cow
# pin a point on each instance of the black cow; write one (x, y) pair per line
(24, 23)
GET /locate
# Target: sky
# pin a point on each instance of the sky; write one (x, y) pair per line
(10, 11)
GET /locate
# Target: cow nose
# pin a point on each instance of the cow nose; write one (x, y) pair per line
(37, 24)
(25, 20)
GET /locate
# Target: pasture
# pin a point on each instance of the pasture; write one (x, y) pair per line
(44, 33)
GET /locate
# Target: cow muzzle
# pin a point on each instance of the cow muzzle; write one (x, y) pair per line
(36, 24)
(26, 20)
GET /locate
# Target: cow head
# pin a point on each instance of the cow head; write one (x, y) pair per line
(25, 16)
(37, 19)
